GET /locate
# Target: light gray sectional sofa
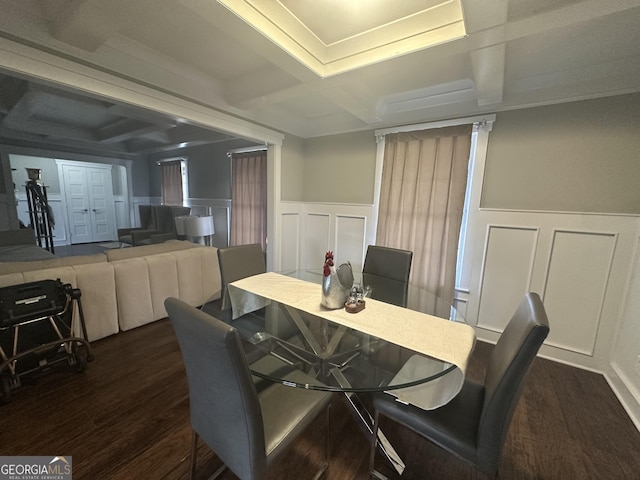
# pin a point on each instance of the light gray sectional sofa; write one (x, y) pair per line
(126, 288)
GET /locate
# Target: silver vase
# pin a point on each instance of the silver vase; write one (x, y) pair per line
(336, 287)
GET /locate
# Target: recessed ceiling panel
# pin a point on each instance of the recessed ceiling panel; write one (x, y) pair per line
(337, 20)
(333, 36)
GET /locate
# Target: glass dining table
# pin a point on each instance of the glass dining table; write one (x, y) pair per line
(405, 341)
(339, 357)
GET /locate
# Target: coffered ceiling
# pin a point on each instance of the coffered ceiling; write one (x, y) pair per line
(43, 116)
(315, 67)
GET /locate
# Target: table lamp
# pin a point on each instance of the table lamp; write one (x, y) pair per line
(181, 228)
(199, 227)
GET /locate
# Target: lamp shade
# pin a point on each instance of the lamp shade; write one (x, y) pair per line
(199, 226)
(181, 228)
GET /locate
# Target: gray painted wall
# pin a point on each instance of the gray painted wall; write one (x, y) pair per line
(576, 157)
(46, 161)
(340, 168)
(579, 157)
(292, 162)
(209, 169)
(48, 166)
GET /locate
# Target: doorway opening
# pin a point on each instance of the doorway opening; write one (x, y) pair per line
(88, 201)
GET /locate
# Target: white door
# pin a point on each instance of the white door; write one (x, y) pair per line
(77, 200)
(90, 206)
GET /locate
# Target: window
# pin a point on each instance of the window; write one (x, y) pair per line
(482, 125)
(174, 181)
(249, 198)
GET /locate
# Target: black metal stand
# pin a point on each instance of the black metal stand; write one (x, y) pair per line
(40, 214)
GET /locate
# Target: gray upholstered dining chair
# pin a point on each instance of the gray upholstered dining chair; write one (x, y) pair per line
(474, 425)
(239, 262)
(247, 430)
(386, 270)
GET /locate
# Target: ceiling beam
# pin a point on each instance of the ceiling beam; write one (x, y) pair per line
(353, 104)
(22, 109)
(12, 89)
(480, 16)
(143, 115)
(189, 133)
(88, 24)
(488, 73)
(83, 24)
(20, 118)
(127, 128)
(10, 136)
(450, 93)
(564, 17)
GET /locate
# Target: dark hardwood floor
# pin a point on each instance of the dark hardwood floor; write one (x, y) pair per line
(126, 417)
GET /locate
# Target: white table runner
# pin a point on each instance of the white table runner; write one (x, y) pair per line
(443, 339)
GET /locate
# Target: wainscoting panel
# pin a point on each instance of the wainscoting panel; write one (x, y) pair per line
(317, 239)
(506, 273)
(460, 306)
(123, 219)
(580, 264)
(344, 229)
(290, 244)
(579, 268)
(350, 240)
(624, 372)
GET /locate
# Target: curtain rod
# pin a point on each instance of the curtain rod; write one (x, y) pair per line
(173, 159)
(481, 120)
(257, 148)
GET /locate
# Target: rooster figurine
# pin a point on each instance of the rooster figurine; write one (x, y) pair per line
(336, 283)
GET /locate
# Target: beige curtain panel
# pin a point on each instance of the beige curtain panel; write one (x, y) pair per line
(424, 180)
(171, 182)
(249, 199)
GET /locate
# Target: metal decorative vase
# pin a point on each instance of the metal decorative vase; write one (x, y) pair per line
(336, 283)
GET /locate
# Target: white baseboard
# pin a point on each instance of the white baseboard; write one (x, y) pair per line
(617, 380)
(620, 385)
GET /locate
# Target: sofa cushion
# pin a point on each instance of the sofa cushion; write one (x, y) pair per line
(98, 296)
(163, 282)
(129, 290)
(97, 286)
(11, 279)
(15, 267)
(66, 275)
(198, 275)
(133, 293)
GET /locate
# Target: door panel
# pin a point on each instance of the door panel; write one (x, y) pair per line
(102, 208)
(77, 204)
(90, 207)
